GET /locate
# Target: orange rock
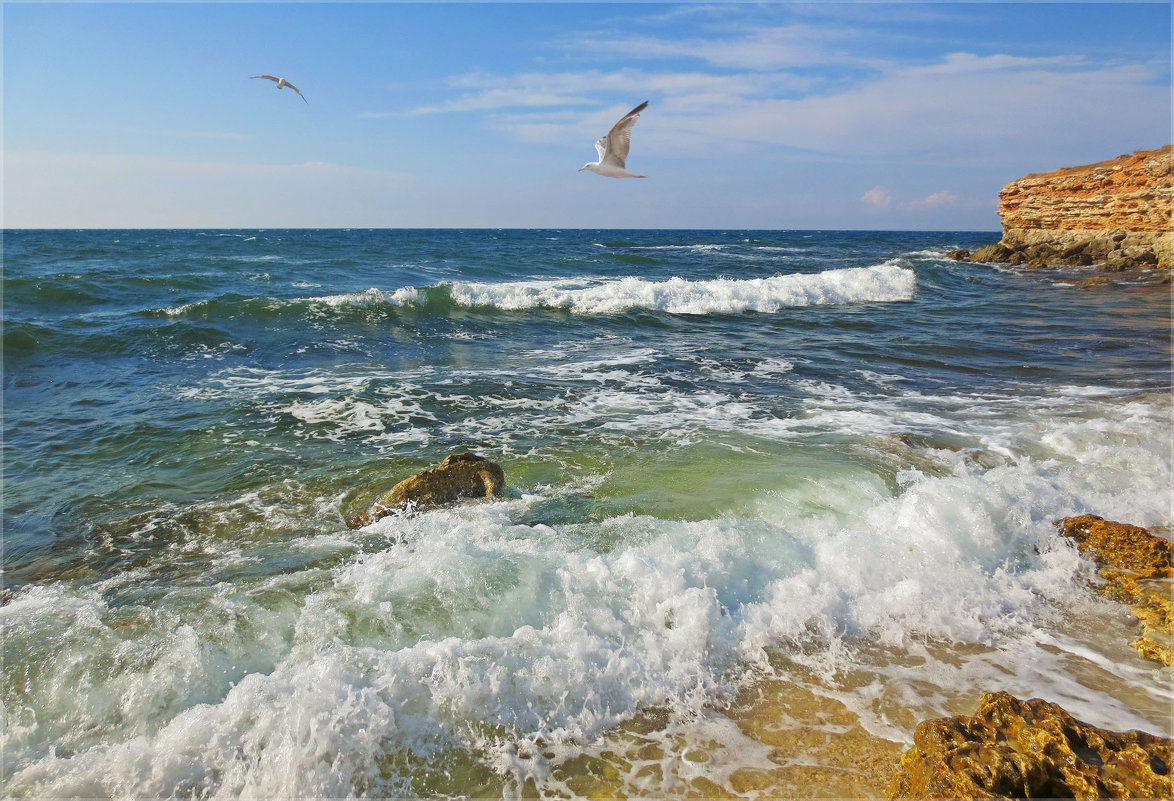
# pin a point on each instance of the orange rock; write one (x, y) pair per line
(1133, 562)
(461, 475)
(1030, 749)
(1131, 193)
(1119, 546)
(1115, 214)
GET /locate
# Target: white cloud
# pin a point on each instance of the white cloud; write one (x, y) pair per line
(878, 197)
(937, 200)
(488, 92)
(970, 62)
(964, 109)
(758, 48)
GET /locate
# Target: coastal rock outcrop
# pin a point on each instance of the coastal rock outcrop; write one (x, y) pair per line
(1113, 214)
(1030, 749)
(1134, 563)
(461, 475)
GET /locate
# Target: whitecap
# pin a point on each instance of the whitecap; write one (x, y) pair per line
(881, 283)
(403, 296)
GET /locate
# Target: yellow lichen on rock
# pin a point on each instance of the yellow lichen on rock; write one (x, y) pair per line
(1136, 566)
(1030, 749)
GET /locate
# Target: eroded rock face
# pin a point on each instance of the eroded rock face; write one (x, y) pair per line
(1114, 214)
(1134, 564)
(461, 475)
(1131, 192)
(1030, 749)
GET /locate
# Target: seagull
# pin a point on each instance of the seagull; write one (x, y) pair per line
(282, 83)
(613, 148)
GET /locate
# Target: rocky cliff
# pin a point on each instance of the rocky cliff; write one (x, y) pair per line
(1114, 214)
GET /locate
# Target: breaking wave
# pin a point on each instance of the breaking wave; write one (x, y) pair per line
(884, 283)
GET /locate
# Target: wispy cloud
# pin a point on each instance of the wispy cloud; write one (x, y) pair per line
(880, 198)
(758, 48)
(962, 107)
(482, 91)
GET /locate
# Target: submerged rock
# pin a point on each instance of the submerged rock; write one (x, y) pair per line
(1030, 749)
(461, 475)
(1134, 564)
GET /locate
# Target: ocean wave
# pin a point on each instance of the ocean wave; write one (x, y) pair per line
(884, 283)
(404, 296)
(479, 631)
(236, 304)
(699, 248)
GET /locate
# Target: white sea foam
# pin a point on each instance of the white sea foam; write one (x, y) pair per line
(773, 367)
(487, 629)
(372, 297)
(698, 248)
(881, 283)
(481, 634)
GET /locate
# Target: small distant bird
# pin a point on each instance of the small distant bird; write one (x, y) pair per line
(613, 148)
(282, 83)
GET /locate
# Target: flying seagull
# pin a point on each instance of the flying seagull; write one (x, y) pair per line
(613, 148)
(282, 83)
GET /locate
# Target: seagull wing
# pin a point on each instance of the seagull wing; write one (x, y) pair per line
(619, 138)
(601, 148)
(268, 77)
(291, 86)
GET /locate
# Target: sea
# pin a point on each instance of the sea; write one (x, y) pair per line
(772, 499)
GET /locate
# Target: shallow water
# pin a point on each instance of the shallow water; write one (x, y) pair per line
(773, 498)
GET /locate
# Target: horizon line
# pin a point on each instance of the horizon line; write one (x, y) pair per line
(6, 229)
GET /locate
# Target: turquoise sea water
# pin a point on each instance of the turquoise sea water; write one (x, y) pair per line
(828, 458)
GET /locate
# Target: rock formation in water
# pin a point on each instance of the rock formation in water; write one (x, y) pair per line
(461, 475)
(1114, 214)
(1030, 749)
(1134, 563)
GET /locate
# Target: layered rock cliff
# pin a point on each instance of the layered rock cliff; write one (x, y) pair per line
(1114, 214)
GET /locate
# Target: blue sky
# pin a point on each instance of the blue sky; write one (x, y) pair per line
(767, 115)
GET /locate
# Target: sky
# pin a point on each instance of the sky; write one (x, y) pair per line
(842, 115)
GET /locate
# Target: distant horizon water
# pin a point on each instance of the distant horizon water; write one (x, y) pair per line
(494, 228)
(773, 498)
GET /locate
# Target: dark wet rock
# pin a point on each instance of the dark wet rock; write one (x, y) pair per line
(997, 253)
(1030, 749)
(461, 475)
(1135, 565)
